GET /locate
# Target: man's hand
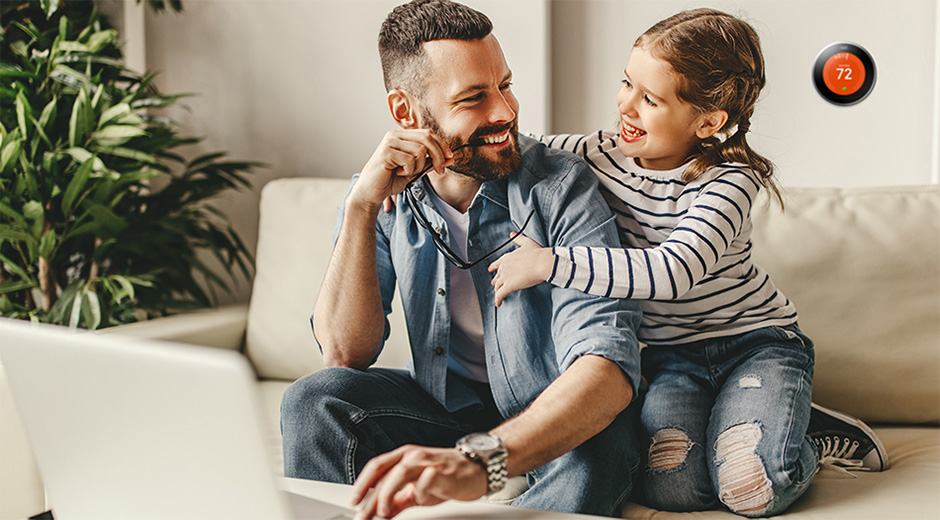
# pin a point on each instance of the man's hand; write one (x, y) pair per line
(529, 265)
(416, 476)
(400, 156)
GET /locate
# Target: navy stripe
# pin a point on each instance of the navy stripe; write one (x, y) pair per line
(680, 338)
(694, 250)
(730, 201)
(714, 310)
(630, 277)
(714, 227)
(738, 187)
(649, 269)
(637, 190)
(672, 279)
(590, 263)
(610, 273)
(688, 272)
(573, 268)
(719, 212)
(554, 264)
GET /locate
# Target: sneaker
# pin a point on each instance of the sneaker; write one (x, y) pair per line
(845, 442)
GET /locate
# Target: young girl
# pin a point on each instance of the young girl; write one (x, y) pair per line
(729, 400)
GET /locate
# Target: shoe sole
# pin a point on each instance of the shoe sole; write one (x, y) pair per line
(880, 450)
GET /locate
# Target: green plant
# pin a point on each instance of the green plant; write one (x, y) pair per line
(102, 220)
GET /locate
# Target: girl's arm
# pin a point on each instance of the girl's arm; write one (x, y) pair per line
(664, 272)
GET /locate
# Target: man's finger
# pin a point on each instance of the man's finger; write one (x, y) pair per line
(373, 472)
(394, 481)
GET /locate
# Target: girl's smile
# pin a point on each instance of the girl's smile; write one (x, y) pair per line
(630, 133)
(656, 127)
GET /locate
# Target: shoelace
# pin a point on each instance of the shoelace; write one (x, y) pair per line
(836, 453)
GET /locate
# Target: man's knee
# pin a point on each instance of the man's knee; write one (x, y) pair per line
(743, 484)
(310, 395)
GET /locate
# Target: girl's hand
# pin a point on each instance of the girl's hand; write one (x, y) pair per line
(389, 203)
(529, 265)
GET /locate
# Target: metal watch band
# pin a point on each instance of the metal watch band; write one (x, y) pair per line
(493, 461)
(496, 473)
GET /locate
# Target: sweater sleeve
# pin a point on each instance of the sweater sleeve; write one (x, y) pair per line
(671, 269)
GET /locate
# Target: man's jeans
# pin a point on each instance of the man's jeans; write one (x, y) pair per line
(335, 420)
(728, 415)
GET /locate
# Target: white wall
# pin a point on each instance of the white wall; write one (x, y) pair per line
(297, 84)
(890, 138)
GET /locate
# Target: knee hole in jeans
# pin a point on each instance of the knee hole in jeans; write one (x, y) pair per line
(668, 449)
(743, 484)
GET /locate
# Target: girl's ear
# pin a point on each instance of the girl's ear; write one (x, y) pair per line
(402, 106)
(711, 123)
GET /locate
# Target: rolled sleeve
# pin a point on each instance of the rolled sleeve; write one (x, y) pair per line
(583, 324)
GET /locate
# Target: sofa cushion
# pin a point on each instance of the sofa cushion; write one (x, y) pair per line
(863, 269)
(297, 216)
(904, 491)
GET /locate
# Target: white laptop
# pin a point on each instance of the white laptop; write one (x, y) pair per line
(128, 428)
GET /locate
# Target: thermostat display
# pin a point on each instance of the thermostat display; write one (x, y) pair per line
(844, 73)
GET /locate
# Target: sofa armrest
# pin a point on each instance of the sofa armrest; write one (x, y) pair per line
(223, 327)
(21, 490)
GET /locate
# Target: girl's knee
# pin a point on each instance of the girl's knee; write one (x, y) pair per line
(673, 483)
(743, 484)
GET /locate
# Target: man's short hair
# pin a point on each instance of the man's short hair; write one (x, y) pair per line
(408, 26)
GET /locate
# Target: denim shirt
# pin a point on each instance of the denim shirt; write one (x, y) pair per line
(536, 333)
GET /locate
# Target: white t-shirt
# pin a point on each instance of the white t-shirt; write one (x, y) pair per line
(466, 355)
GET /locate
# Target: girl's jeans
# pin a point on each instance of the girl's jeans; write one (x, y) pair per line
(335, 420)
(726, 420)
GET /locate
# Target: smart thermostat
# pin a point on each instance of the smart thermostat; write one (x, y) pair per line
(844, 73)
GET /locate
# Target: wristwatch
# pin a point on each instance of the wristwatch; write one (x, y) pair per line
(489, 452)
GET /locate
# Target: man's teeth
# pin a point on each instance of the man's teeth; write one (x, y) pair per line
(496, 139)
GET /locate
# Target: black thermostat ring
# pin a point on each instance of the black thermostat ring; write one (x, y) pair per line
(867, 62)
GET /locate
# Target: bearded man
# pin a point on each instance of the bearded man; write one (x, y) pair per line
(538, 386)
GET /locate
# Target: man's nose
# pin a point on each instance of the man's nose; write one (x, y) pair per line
(502, 109)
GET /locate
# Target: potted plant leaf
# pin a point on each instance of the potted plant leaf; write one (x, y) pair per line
(103, 221)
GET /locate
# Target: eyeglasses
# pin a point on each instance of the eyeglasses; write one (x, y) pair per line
(436, 237)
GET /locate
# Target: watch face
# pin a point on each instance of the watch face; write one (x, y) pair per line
(482, 442)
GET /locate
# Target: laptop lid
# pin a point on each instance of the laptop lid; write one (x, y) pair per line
(129, 428)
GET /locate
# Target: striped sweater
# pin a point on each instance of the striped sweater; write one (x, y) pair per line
(687, 255)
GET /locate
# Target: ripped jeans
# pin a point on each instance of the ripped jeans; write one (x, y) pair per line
(726, 422)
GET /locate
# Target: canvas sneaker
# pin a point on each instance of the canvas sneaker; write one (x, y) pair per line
(845, 442)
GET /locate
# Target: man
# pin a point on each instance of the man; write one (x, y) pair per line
(535, 387)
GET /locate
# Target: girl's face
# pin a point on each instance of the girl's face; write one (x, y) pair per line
(656, 127)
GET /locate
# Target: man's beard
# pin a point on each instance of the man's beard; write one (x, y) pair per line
(470, 162)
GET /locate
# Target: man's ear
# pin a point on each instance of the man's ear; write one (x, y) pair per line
(403, 108)
(710, 123)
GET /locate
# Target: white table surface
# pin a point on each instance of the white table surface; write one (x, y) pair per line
(339, 494)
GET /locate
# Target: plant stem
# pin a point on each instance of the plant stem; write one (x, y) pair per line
(46, 284)
(93, 270)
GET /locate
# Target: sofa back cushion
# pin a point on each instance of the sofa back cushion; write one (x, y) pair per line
(295, 239)
(862, 267)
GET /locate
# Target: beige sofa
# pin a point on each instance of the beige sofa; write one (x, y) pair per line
(862, 266)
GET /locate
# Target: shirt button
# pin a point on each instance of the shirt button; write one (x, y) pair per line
(438, 351)
(441, 292)
(438, 230)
